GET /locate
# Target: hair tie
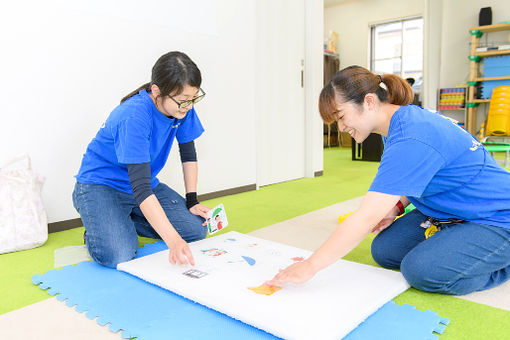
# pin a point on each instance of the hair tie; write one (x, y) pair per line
(381, 83)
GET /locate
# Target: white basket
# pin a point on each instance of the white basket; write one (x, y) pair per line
(23, 221)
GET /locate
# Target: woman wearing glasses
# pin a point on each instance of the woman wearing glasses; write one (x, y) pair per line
(117, 193)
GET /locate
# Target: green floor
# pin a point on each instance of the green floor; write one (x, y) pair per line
(343, 179)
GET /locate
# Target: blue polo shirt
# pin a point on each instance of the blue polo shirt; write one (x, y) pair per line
(135, 132)
(442, 169)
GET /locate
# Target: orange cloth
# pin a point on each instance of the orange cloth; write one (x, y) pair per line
(265, 289)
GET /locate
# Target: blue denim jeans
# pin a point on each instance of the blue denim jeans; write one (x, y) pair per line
(459, 259)
(113, 219)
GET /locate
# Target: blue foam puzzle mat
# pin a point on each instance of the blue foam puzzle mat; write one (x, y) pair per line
(149, 312)
(495, 67)
(489, 86)
(400, 323)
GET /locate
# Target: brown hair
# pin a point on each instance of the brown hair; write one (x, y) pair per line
(353, 83)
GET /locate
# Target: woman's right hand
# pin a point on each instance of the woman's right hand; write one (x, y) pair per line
(180, 253)
(299, 272)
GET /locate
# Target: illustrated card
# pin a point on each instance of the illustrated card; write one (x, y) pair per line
(216, 219)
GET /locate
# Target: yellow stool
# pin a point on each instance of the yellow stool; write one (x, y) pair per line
(498, 118)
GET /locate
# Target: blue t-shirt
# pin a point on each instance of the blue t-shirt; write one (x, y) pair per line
(442, 169)
(135, 132)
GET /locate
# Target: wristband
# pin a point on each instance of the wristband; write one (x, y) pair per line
(401, 209)
(191, 199)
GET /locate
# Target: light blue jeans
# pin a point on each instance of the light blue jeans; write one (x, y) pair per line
(112, 220)
(459, 259)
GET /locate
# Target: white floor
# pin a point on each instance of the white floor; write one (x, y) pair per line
(52, 319)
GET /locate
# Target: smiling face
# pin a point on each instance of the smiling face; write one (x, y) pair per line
(168, 107)
(357, 120)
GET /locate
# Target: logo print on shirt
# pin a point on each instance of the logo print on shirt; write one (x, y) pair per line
(475, 146)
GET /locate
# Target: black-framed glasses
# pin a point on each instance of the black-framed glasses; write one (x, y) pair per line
(186, 103)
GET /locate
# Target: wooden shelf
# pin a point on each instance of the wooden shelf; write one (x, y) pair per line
(476, 33)
(492, 53)
(493, 78)
(335, 55)
(479, 101)
(491, 28)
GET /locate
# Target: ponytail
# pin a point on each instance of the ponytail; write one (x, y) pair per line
(353, 83)
(399, 90)
(145, 87)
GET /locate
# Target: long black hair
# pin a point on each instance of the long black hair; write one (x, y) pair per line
(171, 72)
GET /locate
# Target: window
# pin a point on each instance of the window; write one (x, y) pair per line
(397, 47)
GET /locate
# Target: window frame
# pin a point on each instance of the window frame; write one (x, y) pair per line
(372, 29)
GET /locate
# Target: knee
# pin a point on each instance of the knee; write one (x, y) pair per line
(380, 249)
(415, 274)
(110, 256)
(428, 275)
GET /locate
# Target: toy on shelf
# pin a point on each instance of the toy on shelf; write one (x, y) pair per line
(331, 43)
(452, 98)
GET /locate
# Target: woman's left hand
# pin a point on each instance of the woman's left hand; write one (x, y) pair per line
(299, 272)
(386, 221)
(200, 210)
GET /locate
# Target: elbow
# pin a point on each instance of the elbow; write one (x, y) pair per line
(363, 223)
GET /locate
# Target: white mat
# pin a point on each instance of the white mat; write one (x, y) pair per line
(329, 306)
(71, 255)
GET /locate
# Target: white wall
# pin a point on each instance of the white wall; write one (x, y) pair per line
(64, 69)
(432, 33)
(351, 20)
(65, 66)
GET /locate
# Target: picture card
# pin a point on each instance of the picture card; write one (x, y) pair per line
(216, 219)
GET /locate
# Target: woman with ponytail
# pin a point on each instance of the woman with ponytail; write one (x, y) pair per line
(457, 240)
(117, 193)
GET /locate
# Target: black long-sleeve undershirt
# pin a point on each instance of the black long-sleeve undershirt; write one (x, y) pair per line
(140, 173)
